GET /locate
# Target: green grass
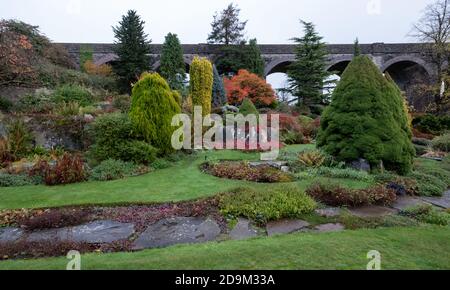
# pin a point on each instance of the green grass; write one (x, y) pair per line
(400, 248)
(183, 181)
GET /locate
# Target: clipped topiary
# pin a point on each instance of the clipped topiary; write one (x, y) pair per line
(201, 81)
(152, 107)
(248, 108)
(366, 119)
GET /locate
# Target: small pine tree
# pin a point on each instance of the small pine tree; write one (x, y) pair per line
(219, 97)
(255, 61)
(366, 120)
(248, 108)
(307, 74)
(133, 50)
(153, 106)
(201, 83)
(357, 48)
(227, 28)
(173, 68)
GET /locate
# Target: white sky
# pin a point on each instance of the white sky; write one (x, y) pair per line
(270, 21)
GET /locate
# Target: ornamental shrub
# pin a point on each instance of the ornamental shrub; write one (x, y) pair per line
(73, 93)
(248, 108)
(8, 180)
(219, 97)
(201, 82)
(152, 108)
(113, 139)
(442, 143)
(114, 169)
(366, 119)
(249, 85)
(262, 206)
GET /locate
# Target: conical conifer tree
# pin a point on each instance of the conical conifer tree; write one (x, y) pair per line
(366, 120)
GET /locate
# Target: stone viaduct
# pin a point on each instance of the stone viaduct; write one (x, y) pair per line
(405, 62)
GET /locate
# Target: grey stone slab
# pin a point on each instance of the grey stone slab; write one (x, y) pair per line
(10, 234)
(404, 202)
(329, 228)
(443, 201)
(180, 230)
(372, 211)
(285, 227)
(97, 232)
(328, 212)
(243, 230)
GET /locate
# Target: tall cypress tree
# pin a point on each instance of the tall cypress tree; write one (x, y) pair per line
(255, 61)
(133, 50)
(172, 66)
(219, 97)
(308, 74)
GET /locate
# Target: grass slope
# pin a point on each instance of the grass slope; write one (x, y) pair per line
(183, 181)
(400, 248)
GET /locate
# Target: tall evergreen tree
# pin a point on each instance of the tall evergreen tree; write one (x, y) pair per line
(133, 50)
(255, 61)
(356, 48)
(367, 119)
(173, 68)
(307, 74)
(227, 28)
(219, 97)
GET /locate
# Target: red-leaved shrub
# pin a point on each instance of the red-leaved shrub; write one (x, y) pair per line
(249, 85)
(335, 195)
(68, 169)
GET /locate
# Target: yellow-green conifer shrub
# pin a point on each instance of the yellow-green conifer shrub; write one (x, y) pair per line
(152, 108)
(201, 83)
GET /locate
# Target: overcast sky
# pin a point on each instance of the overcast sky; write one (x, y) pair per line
(270, 21)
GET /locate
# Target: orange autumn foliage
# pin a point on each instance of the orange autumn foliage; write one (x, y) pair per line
(91, 68)
(249, 85)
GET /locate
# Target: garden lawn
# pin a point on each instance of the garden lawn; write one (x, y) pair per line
(183, 181)
(400, 248)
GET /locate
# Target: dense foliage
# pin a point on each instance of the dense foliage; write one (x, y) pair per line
(227, 28)
(72, 93)
(442, 143)
(219, 97)
(336, 195)
(173, 68)
(68, 169)
(366, 120)
(248, 108)
(201, 84)
(249, 85)
(114, 139)
(114, 169)
(231, 59)
(267, 205)
(133, 48)
(308, 74)
(153, 106)
(255, 61)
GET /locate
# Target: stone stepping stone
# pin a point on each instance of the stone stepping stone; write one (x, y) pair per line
(404, 202)
(243, 230)
(372, 211)
(180, 230)
(443, 201)
(98, 232)
(10, 234)
(326, 228)
(285, 227)
(328, 212)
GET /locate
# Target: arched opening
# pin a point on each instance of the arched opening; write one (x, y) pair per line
(336, 70)
(410, 76)
(276, 76)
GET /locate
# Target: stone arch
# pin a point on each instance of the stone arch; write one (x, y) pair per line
(339, 64)
(278, 65)
(408, 59)
(107, 58)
